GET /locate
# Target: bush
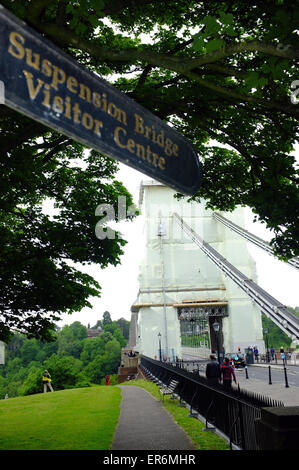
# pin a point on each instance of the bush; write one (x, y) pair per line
(94, 371)
(33, 382)
(83, 384)
(82, 381)
(112, 381)
(62, 371)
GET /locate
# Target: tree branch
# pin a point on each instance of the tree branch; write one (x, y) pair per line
(142, 77)
(118, 5)
(55, 149)
(36, 9)
(245, 46)
(174, 63)
(33, 129)
(232, 94)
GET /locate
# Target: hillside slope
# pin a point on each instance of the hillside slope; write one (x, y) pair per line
(75, 419)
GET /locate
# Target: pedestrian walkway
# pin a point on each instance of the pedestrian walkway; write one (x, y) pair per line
(144, 424)
(277, 391)
(289, 396)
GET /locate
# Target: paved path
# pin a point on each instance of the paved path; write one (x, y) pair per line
(278, 391)
(144, 424)
(289, 396)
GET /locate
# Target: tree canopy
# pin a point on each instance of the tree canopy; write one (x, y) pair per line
(73, 359)
(42, 253)
(224, 74)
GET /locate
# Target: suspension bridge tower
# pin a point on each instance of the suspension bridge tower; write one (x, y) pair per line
(183, 295)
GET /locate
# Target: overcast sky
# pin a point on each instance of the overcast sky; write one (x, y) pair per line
(120, 284)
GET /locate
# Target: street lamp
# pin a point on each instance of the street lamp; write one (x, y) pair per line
(216, 327)
(160, 352)
(192, 332)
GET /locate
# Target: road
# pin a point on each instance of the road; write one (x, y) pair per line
(258, 381)
(258, 372)
(277, 374)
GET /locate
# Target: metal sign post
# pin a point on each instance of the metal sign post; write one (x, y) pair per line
(44, 83)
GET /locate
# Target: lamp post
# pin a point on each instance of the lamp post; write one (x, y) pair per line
(160, 352)
(192, 333)
(216, 327)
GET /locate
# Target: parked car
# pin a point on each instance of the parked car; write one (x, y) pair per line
(236, 359)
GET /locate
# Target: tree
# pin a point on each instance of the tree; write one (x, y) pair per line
(29, 351)
(106, 318)
(124, 327)
(33, 382)
(95, 370)
(92, 347)
(63, 371)
(72, 362)
(115, 330)
(79, 331)
(39, 278)
(275, 337)
(111, 356)
(222, 73)
(69, 340)
(98, 325)
(215, 70)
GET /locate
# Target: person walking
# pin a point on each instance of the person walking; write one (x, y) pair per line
(227, 374)
(272, 351)
(47, 381)
(107, 379)
(213, 371)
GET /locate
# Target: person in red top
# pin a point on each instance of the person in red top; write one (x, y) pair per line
(227, 373)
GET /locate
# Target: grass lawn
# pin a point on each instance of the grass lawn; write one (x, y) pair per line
(203, 440)
(83, 419)
(76, 419)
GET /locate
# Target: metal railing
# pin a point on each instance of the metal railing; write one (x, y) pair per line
(272, 308)
(232, 412)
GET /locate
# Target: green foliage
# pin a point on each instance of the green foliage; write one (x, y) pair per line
(101, 355)
(194, 340)
(275, 337)
(37, 280)
(70, 340)
(29, 351)
(32, 384)
(106, 318)
(112, 381)
(115, 330)
(94, 371)
(124, 326)
(73, 360)
(221, 73)
(63, 371)
(217, 71)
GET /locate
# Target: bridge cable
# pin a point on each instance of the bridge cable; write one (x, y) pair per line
(252, 238)
(272, 308)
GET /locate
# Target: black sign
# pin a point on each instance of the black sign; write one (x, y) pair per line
(47, 85)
